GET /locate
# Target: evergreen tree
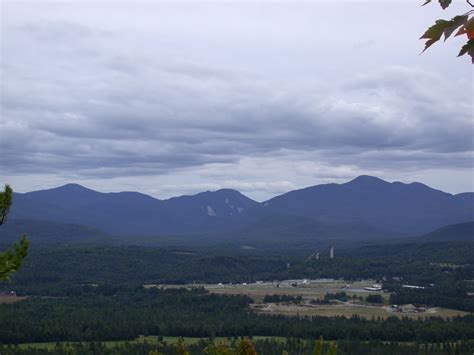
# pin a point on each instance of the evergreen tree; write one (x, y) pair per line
(11, 260)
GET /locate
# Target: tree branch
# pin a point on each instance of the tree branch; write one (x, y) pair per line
(470, 3)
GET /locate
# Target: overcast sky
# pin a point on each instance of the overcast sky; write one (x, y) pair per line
(177, 98)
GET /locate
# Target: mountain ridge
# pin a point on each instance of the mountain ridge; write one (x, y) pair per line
(367, 202)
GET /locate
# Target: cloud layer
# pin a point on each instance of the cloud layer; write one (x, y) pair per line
(173, 105)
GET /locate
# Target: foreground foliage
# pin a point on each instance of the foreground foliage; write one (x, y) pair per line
(460, 25)
(235, 346)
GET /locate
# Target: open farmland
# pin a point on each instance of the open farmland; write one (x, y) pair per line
(311, 290)
(347, 309)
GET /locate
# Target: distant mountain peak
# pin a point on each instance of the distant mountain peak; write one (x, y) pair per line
(366, 180)
(72, 186)
(68, 188)
(227, 191)
(221, 193)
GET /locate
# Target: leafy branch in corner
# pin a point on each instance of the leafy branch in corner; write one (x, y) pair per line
(11, 260)
(460, 25)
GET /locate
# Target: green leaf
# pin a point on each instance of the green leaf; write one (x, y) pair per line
(433, 34)
(467, 48)
(436, 30)
(445, 3)
(454, 23)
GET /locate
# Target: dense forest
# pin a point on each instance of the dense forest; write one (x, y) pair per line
(61, 270)
(107, 313)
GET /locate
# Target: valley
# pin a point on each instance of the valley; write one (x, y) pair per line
(236, 177)
(295, 274)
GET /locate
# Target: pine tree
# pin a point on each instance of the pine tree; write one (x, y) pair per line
(11, 260)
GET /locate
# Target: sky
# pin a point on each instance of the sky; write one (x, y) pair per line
(172, 98)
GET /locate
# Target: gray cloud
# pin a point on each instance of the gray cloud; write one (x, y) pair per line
(88, 101)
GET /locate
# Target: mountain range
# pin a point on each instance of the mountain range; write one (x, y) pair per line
(366, 207)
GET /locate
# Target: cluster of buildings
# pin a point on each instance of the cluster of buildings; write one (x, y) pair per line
(408, 308)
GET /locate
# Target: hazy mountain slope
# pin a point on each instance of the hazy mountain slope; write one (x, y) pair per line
(277, 227)
(467, 197)
(453, 232)
(51, 232)
(131, 212)
(401, 208)
(364, 206)
(112, 212)
(208, 211)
